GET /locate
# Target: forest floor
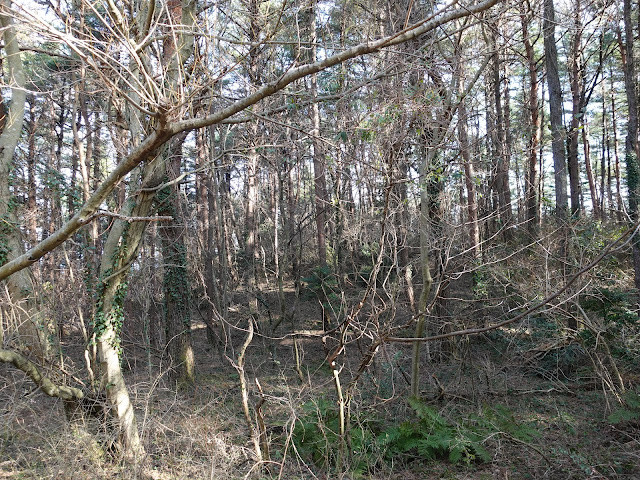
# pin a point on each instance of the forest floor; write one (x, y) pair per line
(522, 408)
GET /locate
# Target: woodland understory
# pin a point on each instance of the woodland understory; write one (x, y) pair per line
(319, 239)
(533, 399)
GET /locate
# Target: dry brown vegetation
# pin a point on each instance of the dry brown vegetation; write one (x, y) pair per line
(551, 380)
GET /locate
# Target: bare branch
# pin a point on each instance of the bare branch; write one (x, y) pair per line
(166, 130)
(615, 245)
(104, 213)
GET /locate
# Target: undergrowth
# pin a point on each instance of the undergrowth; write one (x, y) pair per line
(630, 411)
(428, 436)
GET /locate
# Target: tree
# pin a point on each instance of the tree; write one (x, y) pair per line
(32, 330)
(632, 149)
(159, 101)
(555, 108)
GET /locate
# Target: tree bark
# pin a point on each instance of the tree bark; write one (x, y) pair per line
(33, 333)
(632, 155)
(555, 112)
(177, 294)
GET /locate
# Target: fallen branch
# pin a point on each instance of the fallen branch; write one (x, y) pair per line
(33, 372)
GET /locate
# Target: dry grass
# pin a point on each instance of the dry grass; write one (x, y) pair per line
(199, 432)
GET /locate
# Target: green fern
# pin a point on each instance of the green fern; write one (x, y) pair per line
(432, 436)
(631, 410)
(316, 436)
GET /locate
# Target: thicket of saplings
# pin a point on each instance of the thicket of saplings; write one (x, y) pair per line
(554, 395)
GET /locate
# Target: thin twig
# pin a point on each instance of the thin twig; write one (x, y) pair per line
(105, 213)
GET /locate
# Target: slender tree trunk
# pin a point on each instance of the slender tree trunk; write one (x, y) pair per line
(32, 206)
(251, 246)
(33, 333)
(555, 109)
(251, 250)
(572, 155)
(587, 164)
(295, 244)
(605, 159)
(631, 143)
(218, 208)
(319, 175)
(619, 200)
(470, 182)
(208, 237)
(500, 136)
(506, 142)
(427, 279)
(532, 200)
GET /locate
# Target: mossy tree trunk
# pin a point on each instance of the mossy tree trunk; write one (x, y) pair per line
(120, 250)
(631, 142)
(177, 297)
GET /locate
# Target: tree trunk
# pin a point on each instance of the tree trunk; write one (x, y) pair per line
(576, 81)
(631, 143)
(555, 112)
(619, 200)
(251, 251)
(500, 138)
(208, 235)
(251, 246)
(587, 165)
(33, 333)
(470, 182)
(319, 176)
(120, 250)
(177, 294)
(427, 279)
(532, 200)
(32, 206)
